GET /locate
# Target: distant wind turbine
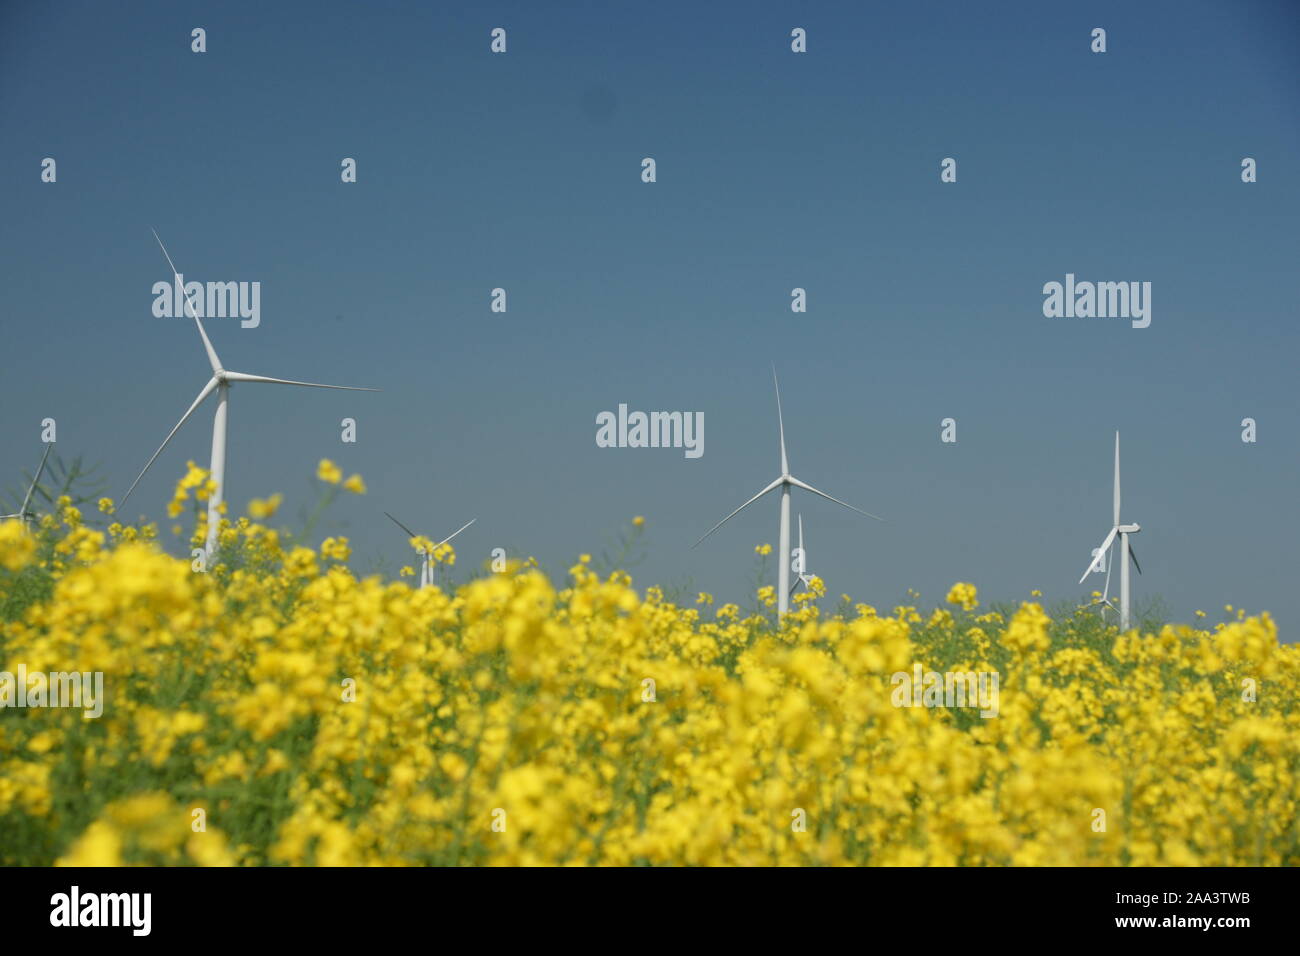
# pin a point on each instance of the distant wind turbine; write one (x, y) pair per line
(1125, 552)
(785, 481)
(426, 567)
(23, 514)
(220, 383)
(803, 577)
(1106, 600)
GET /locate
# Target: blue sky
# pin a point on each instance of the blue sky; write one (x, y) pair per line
(775, 171)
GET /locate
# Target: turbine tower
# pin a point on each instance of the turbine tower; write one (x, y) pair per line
(1125, 551)
(23, 514)
(426, 566)
(220, 383)
(785, 481)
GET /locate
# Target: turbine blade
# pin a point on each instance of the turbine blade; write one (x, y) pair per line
(1116, 478)
(774, 484)
(1100, 551)
(807, 487)
(37, 480)
(458, 530)
(409, 532)
(213, 360)
(1105, 593)
(780, 421)
(207, 390)
(244, 377)
(1132, 554)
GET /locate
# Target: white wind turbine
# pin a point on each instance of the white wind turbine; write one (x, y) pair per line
(803, 577)
(22, 514)
(785, 481)
(1125, 553)
(426, 566)
(220, 383)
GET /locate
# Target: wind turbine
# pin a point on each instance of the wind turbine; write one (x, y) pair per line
(220, 383)
(426, 568)
(22, 514)
(785, 481)
(803, 577)
(1125, 551)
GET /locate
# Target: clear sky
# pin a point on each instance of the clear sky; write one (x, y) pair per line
(775, 170)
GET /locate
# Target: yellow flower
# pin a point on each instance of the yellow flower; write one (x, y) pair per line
(762, 549)
(106, 505)
(100, 845)
(262, 508)
(329, 472)
(1028, 630)
(513, 721)
(16, 545)
(638, 521)
(335, 548)
(196, 479)
(355, 485)
(963, 595)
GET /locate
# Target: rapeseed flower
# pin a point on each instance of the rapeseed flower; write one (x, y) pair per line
(281, 709)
